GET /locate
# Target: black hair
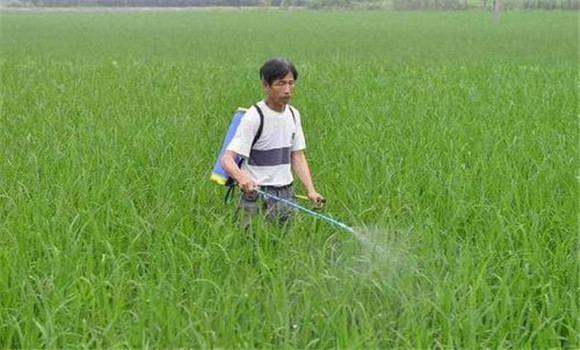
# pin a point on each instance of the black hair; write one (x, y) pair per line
(277, 68)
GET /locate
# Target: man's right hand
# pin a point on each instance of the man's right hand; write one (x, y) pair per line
(247, 185)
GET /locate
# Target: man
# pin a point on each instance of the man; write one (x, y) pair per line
(279, 151)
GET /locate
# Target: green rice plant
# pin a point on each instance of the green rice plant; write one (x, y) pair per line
(446, 139)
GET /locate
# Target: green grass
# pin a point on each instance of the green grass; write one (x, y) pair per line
(454, 140)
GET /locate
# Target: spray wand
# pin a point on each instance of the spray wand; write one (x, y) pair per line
(362, 238)
(306, 210)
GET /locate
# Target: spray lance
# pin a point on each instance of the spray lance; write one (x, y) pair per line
(306, 210)
(362, 238)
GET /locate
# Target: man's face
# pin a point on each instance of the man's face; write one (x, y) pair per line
(281, 90)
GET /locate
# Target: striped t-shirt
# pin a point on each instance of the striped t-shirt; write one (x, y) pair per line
(268, 163)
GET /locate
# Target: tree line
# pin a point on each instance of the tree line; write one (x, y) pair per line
(322, 4)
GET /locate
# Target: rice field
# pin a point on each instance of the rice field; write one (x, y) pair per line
(448, 140)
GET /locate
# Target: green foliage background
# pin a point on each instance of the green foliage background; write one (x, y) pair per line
(450, 138)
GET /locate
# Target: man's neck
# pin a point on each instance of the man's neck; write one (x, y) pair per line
(278, 107)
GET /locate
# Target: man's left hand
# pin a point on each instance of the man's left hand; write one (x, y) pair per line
(316, 199)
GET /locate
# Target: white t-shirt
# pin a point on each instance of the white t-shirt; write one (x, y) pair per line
(268, 162)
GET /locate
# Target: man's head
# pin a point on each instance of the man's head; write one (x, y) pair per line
(278, 78)
(276, 69)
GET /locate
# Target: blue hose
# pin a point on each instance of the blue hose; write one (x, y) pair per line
(311, 212)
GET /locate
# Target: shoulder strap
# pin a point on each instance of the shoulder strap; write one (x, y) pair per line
(261, 127)
(258, 133)
(292, 111)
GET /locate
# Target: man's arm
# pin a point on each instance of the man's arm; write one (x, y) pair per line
(302, 171)
(244, 181)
